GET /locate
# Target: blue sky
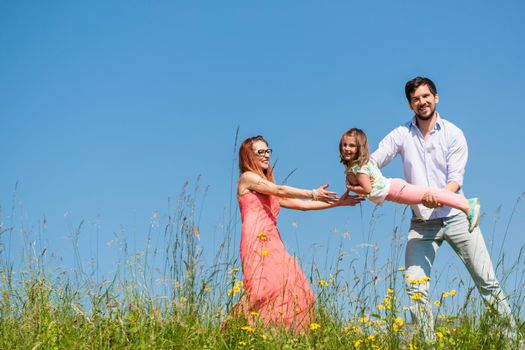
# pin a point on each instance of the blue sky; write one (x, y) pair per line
(108, 107)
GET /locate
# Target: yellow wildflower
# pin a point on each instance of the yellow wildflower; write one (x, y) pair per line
(242, 343)
(441, 316)
(439, 335)
(314, 326)
(233, 270)
(445, 294)
(406, 308)
(363, 319)
(437, 303)
(247, 329)
(380, 307)
(207, 289)
(402, 269)
(371, 337)
(254, 313)
(453, 292)
(323, 283)
(236, 289)
(416, 296)
(265, 253)
(264, 336)
(357, 343)
(390, 291)
(398, 324)
(262, 236)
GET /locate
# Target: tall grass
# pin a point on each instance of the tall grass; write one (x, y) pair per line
(185, 303)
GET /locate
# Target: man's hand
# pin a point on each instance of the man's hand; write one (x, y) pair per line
(430, 201)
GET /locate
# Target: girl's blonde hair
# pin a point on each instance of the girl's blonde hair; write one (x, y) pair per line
(363, 156)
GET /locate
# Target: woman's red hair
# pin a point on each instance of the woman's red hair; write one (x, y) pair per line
(248, 159)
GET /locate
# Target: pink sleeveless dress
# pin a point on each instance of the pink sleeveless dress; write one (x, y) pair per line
(276, 290)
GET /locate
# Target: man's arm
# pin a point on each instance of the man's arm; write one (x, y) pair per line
(457, 157)
(388, 148)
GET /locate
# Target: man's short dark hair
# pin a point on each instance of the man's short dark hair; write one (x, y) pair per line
(413, 84)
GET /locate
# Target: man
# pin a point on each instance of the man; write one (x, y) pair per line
(434, 154)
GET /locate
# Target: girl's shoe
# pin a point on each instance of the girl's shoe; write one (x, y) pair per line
(475, 211)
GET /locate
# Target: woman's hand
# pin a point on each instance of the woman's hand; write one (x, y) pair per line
(349, 200)
(321, 194)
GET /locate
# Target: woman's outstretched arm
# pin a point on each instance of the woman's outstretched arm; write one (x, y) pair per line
(345, 200)
(252, 182)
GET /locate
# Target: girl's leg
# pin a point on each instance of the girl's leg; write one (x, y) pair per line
(404, 193)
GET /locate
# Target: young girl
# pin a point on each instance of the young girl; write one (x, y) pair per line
(365, 178)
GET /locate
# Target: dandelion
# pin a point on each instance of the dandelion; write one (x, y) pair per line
(371, 337)
(363, 319)
(207, 289)
(357, 343)
(236, 289)
(437, 303)
(439, 335)
(254, 313)
(380, 307)
(390, 291)
(402, 269)
(445, 294)
(352, 328)
(323, 283)
(398, 323)
(314, 326)
(453, 292)
(242, 343)
(265, 253)
(247, 329)
(416, 296)
(262, 236)
(413, 281)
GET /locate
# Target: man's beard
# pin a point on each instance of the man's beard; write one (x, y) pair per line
(420, 117)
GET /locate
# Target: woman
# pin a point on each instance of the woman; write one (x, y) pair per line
(276, 290)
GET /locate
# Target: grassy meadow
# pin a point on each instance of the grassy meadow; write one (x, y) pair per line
(68, 309)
